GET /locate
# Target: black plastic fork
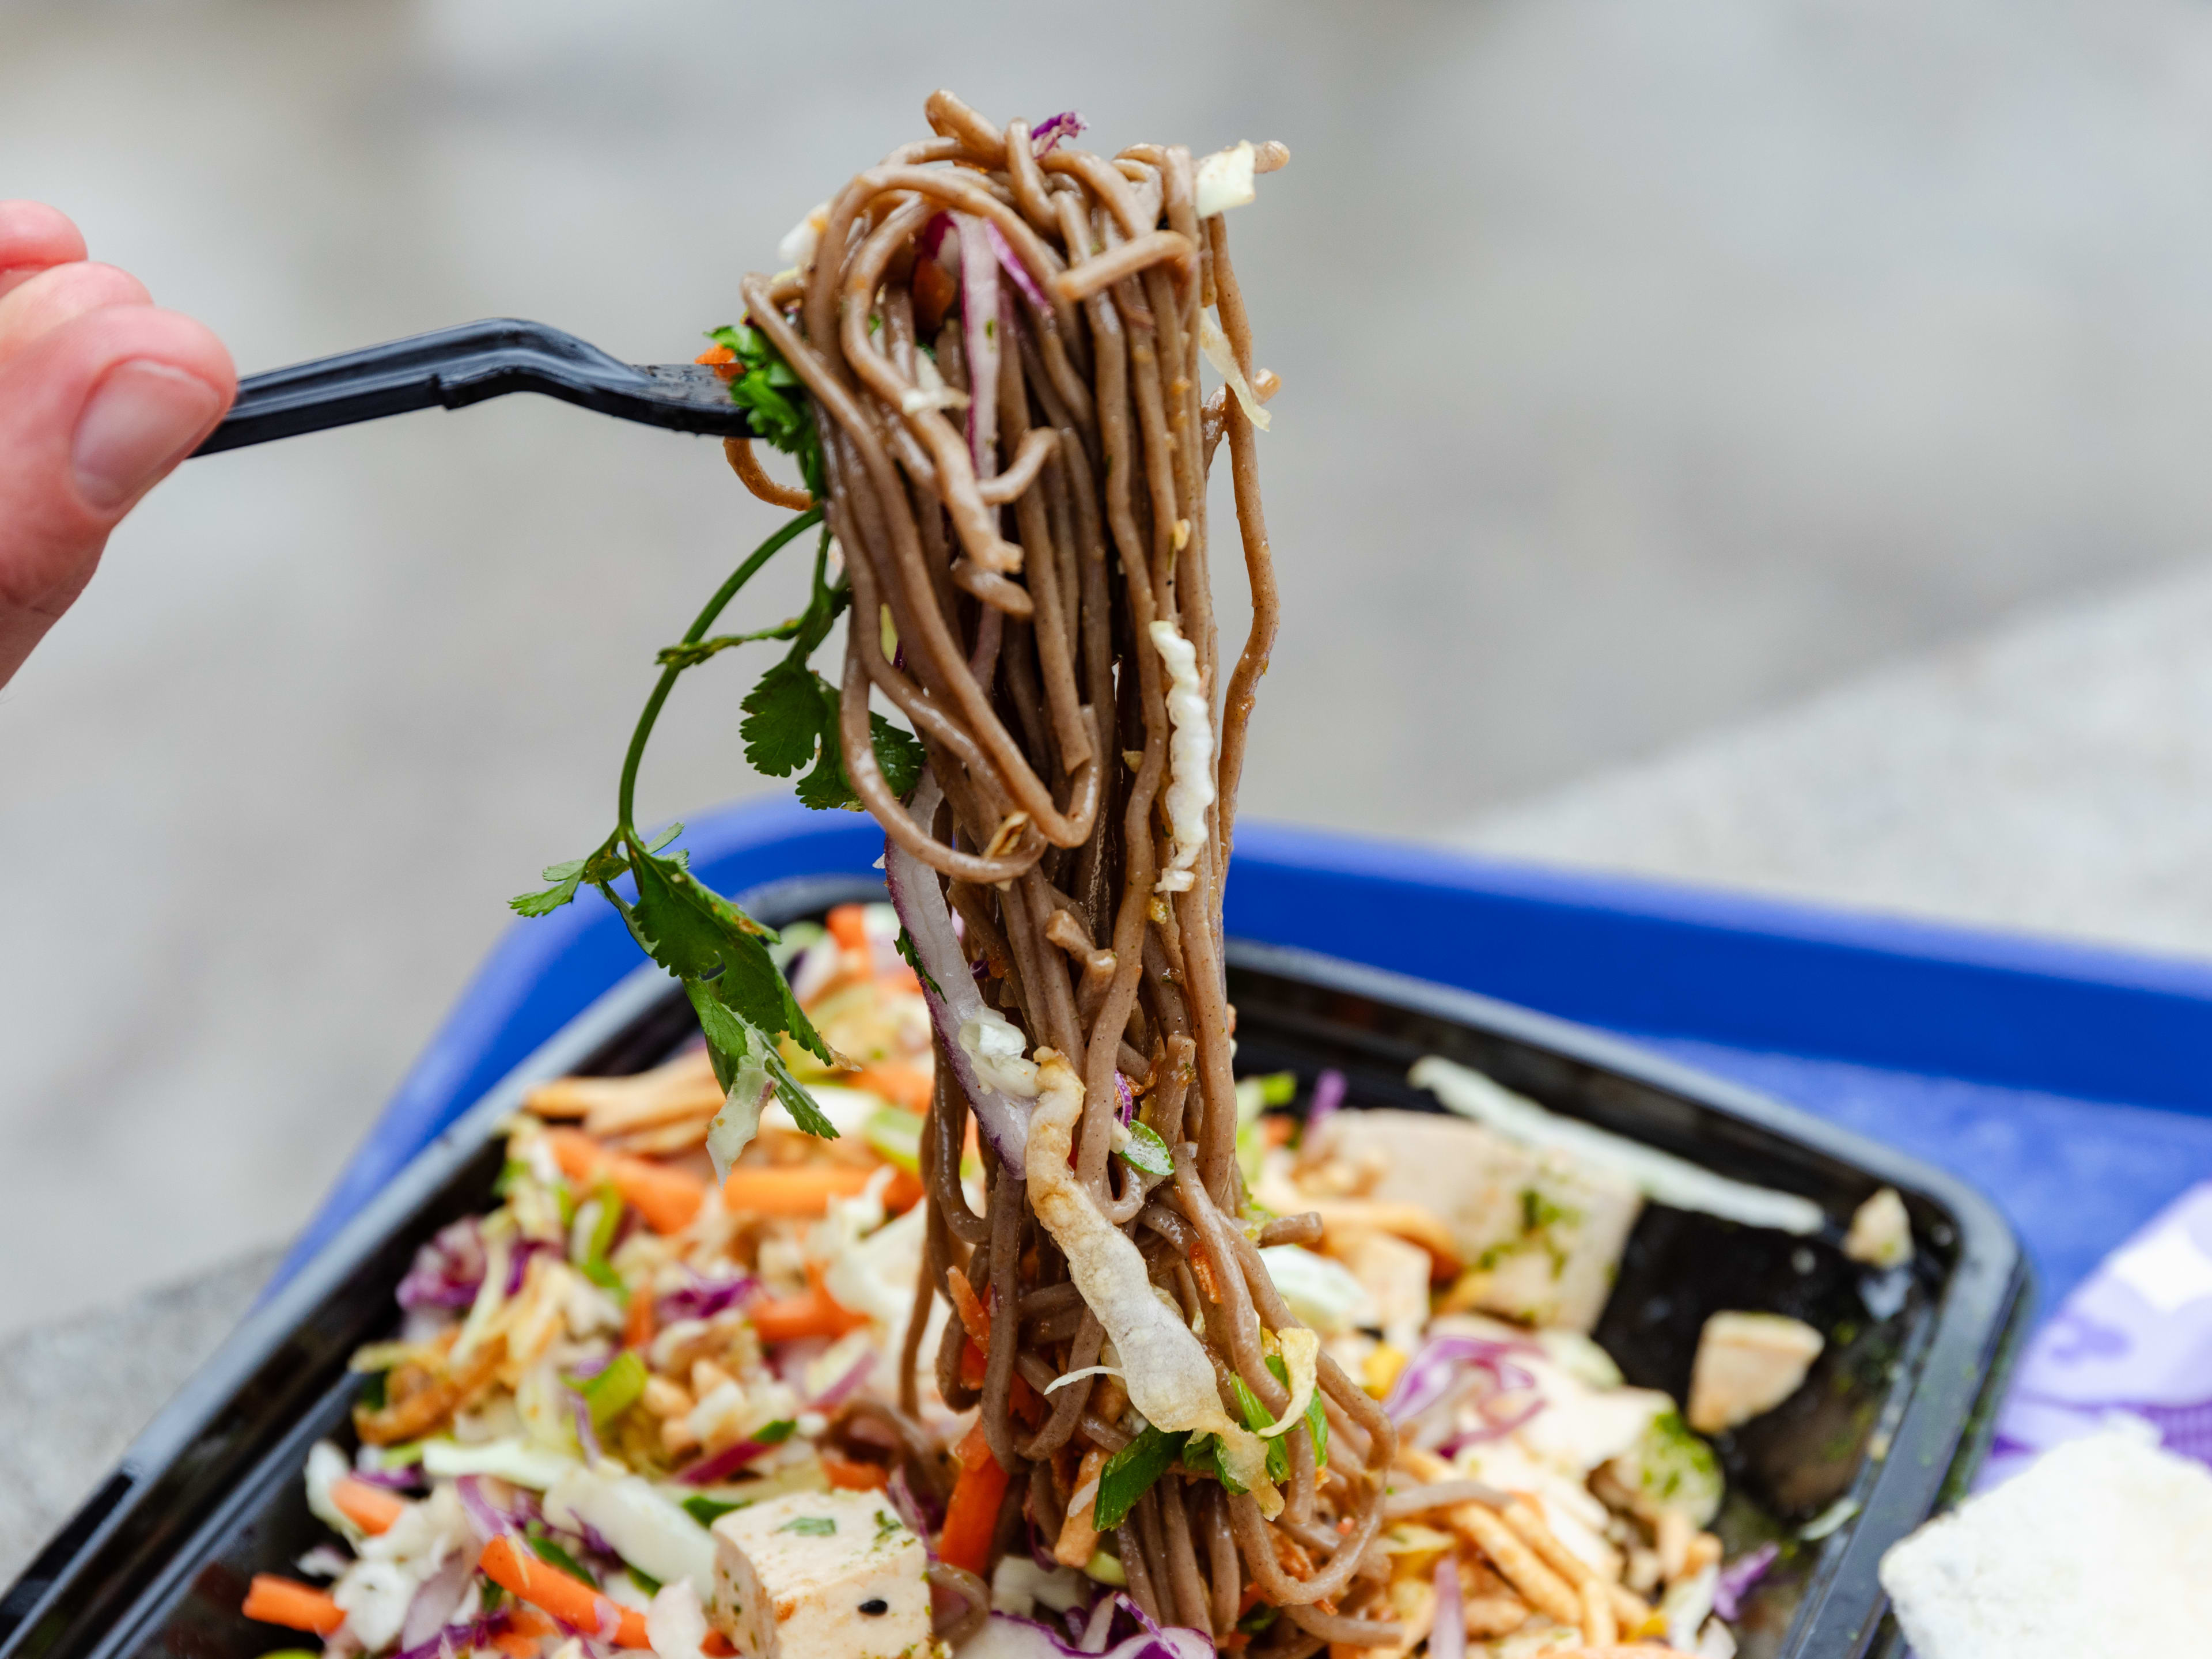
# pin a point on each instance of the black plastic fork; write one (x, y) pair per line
(454, 367)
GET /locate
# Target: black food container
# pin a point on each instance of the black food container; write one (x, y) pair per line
(1892, 1421)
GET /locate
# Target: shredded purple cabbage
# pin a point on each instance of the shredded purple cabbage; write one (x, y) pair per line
(1328, 1097)
(409, 1479)
(518, 1266)
(1053, 128)
(460, 1638)
(704, 1298)
(723, 1464)
(487, 1519)
(1739, 1576)
(922, 1512)
(1032, 1640)
(587, 1437)
(1125, 1097)
(448, 1271)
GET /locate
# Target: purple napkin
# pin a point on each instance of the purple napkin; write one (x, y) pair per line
(2131, 1346)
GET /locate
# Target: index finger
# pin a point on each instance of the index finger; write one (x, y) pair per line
(35, 237)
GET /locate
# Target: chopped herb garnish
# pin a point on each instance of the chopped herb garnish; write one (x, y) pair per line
(811, 1526)
(553, 1555)
(1130, 1473)
(1148, 1152)
(707, 1510)
(906, 950)
(616, 1388)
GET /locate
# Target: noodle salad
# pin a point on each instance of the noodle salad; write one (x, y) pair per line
(957, 1294)
(631, 1397)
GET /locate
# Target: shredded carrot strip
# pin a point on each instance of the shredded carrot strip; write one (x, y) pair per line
(898, 1081)
(639, 1320)
(667, 1198)
(270, 1600)
(370, 1508)
(817, 1313)
(852, 1473)
(969, 1307)
(972, 1515)
(848, 926)
(569, 1599)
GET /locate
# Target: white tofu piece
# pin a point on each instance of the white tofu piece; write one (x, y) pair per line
(1881, 1233)
(830, 1575)
(1395, 1274)
(1546, 1229)
(2102, 1549)
(1747, 1364)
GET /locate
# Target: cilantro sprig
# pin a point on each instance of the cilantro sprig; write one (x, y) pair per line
(719, 953)
(770, 392)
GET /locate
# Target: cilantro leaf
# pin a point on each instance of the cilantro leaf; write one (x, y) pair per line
(1147, 1151)
(678, 931)
(565, 879)
(899, 755)
(784, 718)
(811, 1526)
(796, 1101)
(707, 1510)
(913, 960)
(826, 788)
(601, 865)
(1128, 1474)
(898, 752)
(768, 390)
(731, 1038)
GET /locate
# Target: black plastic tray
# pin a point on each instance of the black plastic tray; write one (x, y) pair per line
(157, 1563)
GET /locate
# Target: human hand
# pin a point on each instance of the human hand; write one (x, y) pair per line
(101, 395)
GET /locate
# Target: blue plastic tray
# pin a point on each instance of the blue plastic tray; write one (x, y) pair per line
(2073, 1085)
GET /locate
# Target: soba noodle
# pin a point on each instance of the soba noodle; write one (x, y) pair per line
(1019, 494)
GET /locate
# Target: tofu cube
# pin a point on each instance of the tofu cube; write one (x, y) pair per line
(1546, 1231)
(1747, 1364)
(828, 1575)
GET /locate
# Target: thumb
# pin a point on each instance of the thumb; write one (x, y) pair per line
(93, 414)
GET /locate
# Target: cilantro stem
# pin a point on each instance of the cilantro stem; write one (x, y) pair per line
(728, 591)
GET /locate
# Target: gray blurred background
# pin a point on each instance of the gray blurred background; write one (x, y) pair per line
(1755, 440)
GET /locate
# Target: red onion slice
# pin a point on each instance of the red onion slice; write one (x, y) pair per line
(979, 322)
(1014, 268)
(436, 1602)
(1448, 1637)
(955, 999)
(835, 1394)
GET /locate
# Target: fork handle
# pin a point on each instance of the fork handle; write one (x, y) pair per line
(452, 368)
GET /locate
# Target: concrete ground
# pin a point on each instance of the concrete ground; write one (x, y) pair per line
(1651, 373)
